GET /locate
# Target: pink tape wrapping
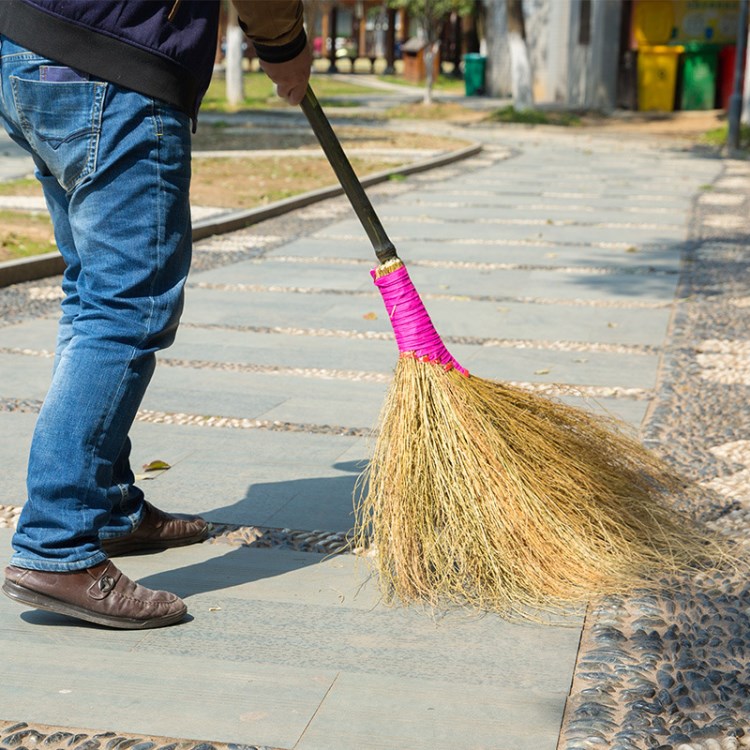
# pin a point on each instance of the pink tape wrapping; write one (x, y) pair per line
(415, 334)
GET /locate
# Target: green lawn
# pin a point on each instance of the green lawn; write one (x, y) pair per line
(443, 83)
(259, 92)
(718, 137)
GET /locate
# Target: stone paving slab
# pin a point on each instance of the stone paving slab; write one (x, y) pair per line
(482, 319)
(15, 441)
(660, 257)
(304, 640)
(258, 477)
(455, 210)
(451, 281)
(403, 229)
(560, 198)
(349, 400)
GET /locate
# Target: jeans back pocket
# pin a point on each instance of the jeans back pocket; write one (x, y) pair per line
(61, 121)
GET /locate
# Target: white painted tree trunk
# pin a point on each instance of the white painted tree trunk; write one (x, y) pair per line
(233, 65)
(746, 88)
(430, 50)
(520, 67)
(498, 76)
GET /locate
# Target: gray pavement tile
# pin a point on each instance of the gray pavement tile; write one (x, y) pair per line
(270, 309)
(458, 281)
(627, 411)
(156, 694)
(525, 321)
(464, 211)
(15, 440)
(574, 368)
(561, 198)
(247, 476)
(371, 711)
(14, 161)
(261, 396)
(24, 376)
(402, 229)
(659, 257)
(268, 272)
(39, 333)
(545, 284)
(469, 318)
(278, 637)
(305, 351)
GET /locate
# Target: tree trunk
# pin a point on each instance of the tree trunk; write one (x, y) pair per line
(498, 78)
(521, 80)
(233, 61)
(430, 50)
(746, 93)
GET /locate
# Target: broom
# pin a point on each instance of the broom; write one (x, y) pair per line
(485, 494)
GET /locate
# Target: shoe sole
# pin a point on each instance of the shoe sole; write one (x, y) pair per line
(113, 549)
(36, 600)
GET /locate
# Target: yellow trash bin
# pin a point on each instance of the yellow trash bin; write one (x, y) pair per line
(657, 77)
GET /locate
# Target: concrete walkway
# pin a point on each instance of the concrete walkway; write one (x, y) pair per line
(551, 258)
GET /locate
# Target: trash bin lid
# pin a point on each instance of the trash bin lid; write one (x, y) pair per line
(661, 49)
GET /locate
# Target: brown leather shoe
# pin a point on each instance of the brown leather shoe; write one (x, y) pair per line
(158, 530)
(100, 594)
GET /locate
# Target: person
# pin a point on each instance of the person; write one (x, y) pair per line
(102, 93)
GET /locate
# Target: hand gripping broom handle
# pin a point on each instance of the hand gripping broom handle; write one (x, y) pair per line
(384, 248)
(413, 329)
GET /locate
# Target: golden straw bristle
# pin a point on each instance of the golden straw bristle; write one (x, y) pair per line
(486, 494)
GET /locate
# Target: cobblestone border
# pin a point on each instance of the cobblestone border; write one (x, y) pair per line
(669, 670)
(22, 736)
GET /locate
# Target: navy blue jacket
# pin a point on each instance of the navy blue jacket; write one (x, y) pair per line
(160, 48)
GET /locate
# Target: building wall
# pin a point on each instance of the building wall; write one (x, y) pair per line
(582, 56)
(566, 71)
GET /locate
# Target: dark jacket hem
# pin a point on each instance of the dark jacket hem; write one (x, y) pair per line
(104, 57)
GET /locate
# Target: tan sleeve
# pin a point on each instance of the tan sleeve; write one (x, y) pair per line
(271, 23)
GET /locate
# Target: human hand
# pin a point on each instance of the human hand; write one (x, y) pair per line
(291, 77)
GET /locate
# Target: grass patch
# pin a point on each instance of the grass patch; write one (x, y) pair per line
(26, 187)
(244, 183)
(446, 111)
(718, 137)
(442, 83)
(510, 114)
(23, 234)
(260, 93)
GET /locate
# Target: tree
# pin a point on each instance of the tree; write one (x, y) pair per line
(430, 15)
(520, 68)
(233, 60)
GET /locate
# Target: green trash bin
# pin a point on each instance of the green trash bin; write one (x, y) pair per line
(699, 76)
(474, 65)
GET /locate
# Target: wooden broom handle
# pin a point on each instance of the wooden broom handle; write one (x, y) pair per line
(384, 248)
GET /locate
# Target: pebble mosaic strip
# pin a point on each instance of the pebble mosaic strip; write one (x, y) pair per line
(300, 372)
(245, 423)
(22, 736)
(670, 669)
(318, 541)
(9, 516)
(562, 346)
(572, 302)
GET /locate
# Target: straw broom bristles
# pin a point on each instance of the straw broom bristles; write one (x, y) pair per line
(489, 495)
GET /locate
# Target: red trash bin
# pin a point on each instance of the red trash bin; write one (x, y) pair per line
(727, 60)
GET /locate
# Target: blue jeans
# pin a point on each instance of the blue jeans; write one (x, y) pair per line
(115, 169)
